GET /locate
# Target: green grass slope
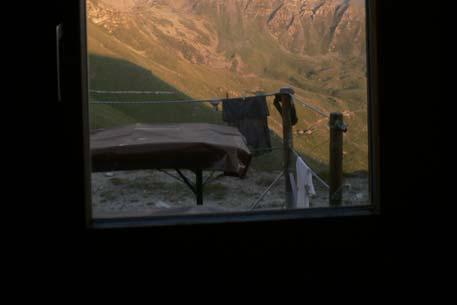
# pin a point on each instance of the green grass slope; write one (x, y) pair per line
(130, 59)
(112, 74)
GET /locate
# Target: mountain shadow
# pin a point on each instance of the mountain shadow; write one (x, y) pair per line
(113, 74)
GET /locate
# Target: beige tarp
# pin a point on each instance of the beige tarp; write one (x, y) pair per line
(170, 146)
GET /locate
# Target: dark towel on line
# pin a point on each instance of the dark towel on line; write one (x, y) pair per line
(250, 107)
(232, 110)
(249, 115)
(256, 107)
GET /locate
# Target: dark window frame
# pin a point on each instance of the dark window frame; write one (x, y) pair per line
(374, 210)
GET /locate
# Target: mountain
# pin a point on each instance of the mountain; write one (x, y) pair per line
(311, 27)
(208, 48)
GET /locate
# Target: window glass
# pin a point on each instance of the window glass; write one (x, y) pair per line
(201, 106)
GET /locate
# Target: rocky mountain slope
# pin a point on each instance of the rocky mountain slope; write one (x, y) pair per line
(206, 48)
(303, 27)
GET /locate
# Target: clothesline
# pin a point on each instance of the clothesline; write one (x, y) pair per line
(185, 101)
(132, 92)
(254, 205)
(313, 172)
(306, 105)
(312, 107)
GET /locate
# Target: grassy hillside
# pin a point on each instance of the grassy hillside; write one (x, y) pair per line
(107, 73)
(241, 60)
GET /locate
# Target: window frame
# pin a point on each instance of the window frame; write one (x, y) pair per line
(373, 210)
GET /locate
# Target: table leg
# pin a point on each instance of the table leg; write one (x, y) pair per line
(199, 186)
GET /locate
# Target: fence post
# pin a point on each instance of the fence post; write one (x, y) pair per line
(337, 128)
(287, 142)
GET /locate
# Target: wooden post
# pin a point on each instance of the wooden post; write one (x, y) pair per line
(287, 143)
(337, 127)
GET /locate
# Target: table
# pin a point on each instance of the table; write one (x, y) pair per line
(192, 146)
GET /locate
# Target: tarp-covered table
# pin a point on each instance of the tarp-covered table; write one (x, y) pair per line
(192, 146)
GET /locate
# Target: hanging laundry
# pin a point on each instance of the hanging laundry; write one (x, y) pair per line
(256, 107)
(232, 110)
(293, 187)
(250, 116)
(305, 187)
(215, 103)
(293, 112)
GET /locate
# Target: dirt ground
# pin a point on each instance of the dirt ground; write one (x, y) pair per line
(151, 192)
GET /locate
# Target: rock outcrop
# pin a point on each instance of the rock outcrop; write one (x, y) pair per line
(304, 27)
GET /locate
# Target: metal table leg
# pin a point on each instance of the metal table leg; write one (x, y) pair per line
(199, 186)
(197, 189)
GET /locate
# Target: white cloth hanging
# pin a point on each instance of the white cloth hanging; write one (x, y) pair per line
(293, 187)
(305, 187)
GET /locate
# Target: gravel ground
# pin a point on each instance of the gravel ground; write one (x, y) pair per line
(150, 192)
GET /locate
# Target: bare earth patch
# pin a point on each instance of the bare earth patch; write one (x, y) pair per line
(150, 192)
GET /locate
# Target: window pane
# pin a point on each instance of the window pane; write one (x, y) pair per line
(187, 112)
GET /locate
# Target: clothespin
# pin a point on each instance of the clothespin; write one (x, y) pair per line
(287, 90)
(215, 104)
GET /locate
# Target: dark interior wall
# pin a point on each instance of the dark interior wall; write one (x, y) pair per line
(404, 57)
